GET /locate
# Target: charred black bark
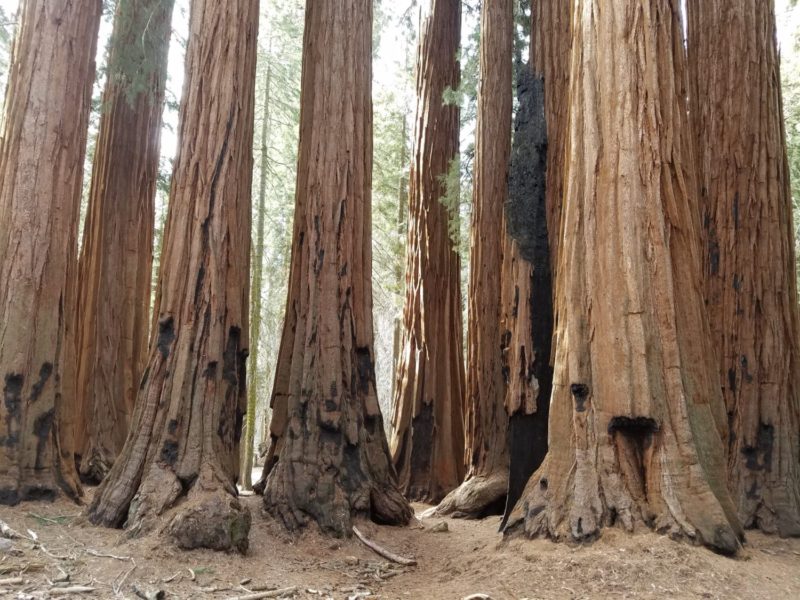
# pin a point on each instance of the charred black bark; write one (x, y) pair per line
(526, 223)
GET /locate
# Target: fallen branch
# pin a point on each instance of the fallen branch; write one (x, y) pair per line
(104, 555)
(409, 562)
(75, 589)
(7, 532)
(262, 595)
(11, 581)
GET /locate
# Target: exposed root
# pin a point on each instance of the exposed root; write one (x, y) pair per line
(381, 551)
(476, 497)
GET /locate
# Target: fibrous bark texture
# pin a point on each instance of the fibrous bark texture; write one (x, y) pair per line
(427, 425)
(183, 449)
(636, 417)
(41, 168)
(114, 271)
(486, 419)
(551, 41)
(329, 460)
(750, 285)
(527, 291)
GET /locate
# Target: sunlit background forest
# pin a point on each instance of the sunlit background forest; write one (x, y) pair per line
(276, 139)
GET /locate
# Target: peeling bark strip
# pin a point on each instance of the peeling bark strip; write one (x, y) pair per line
(180, 461)
(328, 459)
(527, 354)
(486, 421)
(635, 415)
(427, 425)
(41, 167)
(749, 252)
(114, 271)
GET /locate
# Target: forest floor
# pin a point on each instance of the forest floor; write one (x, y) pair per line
(470, 557)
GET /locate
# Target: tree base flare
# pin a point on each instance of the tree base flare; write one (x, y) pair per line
(205, 515)
(295, 499)
(478, 497)
(574, 503)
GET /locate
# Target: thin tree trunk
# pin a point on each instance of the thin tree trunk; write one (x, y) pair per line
(256, 291)
(41, 169)
(486, 481)
(114, 271)
(751, 290)
(427, 426)
(180, 461)
(636, 418)
(328, 459)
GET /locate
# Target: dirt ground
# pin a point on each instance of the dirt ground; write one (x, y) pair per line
(469, 558)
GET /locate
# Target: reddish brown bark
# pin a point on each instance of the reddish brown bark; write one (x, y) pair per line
(636, 421)
(427, 441)
(551, 41)
(114, 271)
(748, 237)
(41, 167)
(328, 460)
(486, 420)
(180, 462)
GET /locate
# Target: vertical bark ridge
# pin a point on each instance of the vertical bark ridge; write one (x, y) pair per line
(41, 168)
(427, 441)
(180, 462)
(748, 252)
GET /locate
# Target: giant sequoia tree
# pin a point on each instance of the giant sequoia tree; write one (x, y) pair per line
(329, 460)
(183, 449)
(751, 290)
(636, 417)
(486, 420)
(427, 425)
(114, 272)
(531, 239)
(41, 167)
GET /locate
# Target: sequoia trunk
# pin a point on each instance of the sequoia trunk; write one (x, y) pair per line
(41, 168)
(636, 417)
(114, 271)
(180, 461)
(751, 290)
(486, 420)
(531, 240)
(328, 460)
(427, 425)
